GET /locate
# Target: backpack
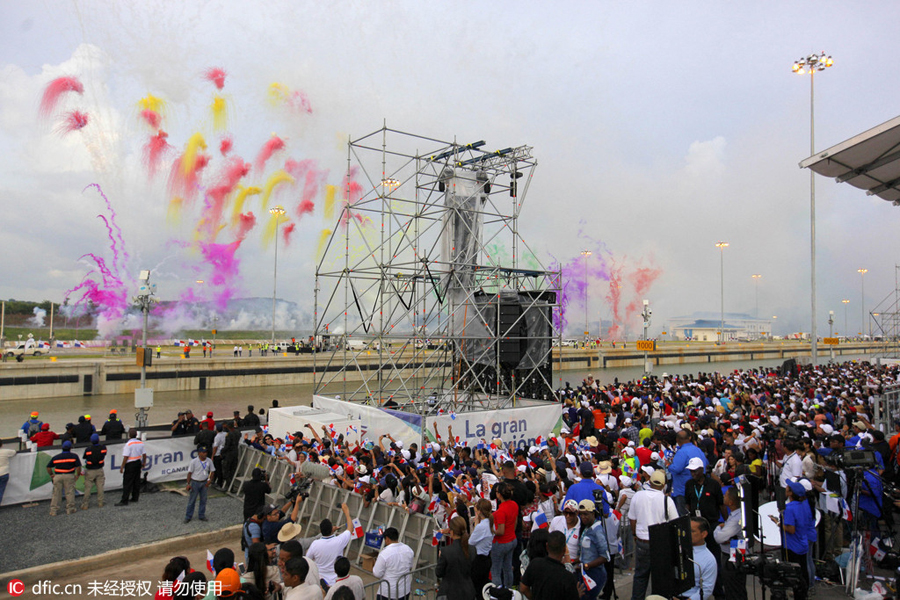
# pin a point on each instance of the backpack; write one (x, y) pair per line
(33, 428)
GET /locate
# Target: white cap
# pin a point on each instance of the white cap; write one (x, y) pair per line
(695, 463)
(629, 451)
(828, 429)
(654, 456)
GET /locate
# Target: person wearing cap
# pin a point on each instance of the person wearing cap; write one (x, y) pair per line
(64, 469)
(648, 507)
(275, 522)
(69, 434)
(594, 547)
(795, 520)
(584, 489)
(680, 473)
(32, 425)
(199, 478)
(84, 430)
(44, 438)
(626, 494)
(570, 525)
(132, 462)
(228, 583)
(94, 459)
(113, 428)
(210, 422)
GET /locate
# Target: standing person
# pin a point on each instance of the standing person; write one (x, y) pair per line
(326, 549)
(569, 525)
(217, 445)
(5, 455)
(703, 496)
(205, 437)
(84, 430)
(94, 459)
(210, 422)
(481, 540)
(648, 507)
(394, 564)
(680, 473)
(230, 452)
(132, 463)
(547, 578)
(346, 580)
(255, 492)
(44, 438)
(158, 350)
(250, 419)
(113, 428)
(796, 519)
(32, 425)
(64, 469)
(199, 478)
(594, 549)
(504, 531)
(297, 582)
(734, 582)
(705, 572)
(454, 567)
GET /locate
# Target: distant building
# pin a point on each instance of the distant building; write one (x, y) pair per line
(705, 327)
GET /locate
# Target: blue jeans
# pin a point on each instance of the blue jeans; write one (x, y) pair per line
(598, 574)
(3, 481)
(501, 563)
(198, 488)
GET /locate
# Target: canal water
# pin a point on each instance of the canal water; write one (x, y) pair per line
(223, 402)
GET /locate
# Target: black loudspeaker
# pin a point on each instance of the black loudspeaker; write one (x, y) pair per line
(671, 571)
(510, 334)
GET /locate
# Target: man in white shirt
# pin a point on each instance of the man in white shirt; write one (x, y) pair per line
(734, 582)
(345, 579)
(793, 464)
(569, 524)
(199, 477)
(394, 564)
(329, 547)
(648, 507)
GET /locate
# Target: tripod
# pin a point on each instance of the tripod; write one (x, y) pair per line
(859, 539)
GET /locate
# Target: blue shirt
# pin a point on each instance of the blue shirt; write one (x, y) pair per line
(705, 567)
(871, 501)
(27, 425)
(797, 513)
(678, 469)
(593, 543)
(583, 490)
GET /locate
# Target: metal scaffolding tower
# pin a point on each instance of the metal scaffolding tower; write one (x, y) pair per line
(420, 292)
(884, 320)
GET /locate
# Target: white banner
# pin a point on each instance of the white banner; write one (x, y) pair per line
(521, 425)
(167, 460)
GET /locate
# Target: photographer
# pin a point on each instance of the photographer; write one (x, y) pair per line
(255, 492)
(796, 523)
(594, 550)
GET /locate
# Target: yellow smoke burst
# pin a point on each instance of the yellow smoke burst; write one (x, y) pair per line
(268, 233)
(276, 178)
(278, 94)
(330, 191)
(239, 201)
(219, 110)
(173, 215)
(323, 240)
(151, 102)
(194, 145)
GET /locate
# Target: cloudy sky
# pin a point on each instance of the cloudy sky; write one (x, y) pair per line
(659, 129)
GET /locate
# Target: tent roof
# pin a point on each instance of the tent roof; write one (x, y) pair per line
(869, 161)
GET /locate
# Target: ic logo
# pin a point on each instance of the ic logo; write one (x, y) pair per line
(15, 587)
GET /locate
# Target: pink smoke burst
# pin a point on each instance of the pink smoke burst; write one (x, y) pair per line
(313, 179)
(73, 121)
(272, 145)
(216, 75)
(151, 117)
(225, 145)
(155, 150)
(305, 208)
(55, 90)
(235, 169)
(300, 102)
(287, 232)
(187, 184)
(354, 192)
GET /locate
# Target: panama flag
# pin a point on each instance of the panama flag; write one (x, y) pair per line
(357, 529)
(436, 538)
(540, 519)
(433, 504)
(209, 562)
(588, 582)
(78, 344)
(845, 510)
(293, 478)
(452, 416)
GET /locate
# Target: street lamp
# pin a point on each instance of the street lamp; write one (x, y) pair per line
(586, 254)
(277, 212)
(756, 277)
(143, 396)
(721, 246)
(846, 331)
(862, 308)
(772, 333)
(811, 64)
(831, 333)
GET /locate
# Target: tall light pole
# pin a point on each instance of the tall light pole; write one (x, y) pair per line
(831, 332)
(277, 212)
(862, 308)
(756, 277)
(846, 331)
(586, 254)
(143, 396)
(721, 246)
(811, 64)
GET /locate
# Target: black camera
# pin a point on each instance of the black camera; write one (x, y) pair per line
(773, 573)
(299, 489)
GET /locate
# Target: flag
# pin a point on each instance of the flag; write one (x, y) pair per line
(452, 416)
(209, 562)
(293, 478)
(433, 504)
(540, 519)
(876, 551)
(845, 511)
(538, 440)
(588, 582)
(357, 529)
(436, 538)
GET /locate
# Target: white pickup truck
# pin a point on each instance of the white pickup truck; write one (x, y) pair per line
(22, 349)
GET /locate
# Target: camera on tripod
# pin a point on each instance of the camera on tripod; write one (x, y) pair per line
(774, 574)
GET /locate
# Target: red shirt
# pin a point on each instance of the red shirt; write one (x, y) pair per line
(44, 438)
(210, 423)
(506, 513)
(643, 455)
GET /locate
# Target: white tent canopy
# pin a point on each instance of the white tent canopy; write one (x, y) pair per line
(869, 161)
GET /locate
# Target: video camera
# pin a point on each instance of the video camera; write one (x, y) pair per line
(301, 489)
(775, 574)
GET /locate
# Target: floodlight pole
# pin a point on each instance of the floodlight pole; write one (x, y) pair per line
(862, 301)
(831, 332)
(811, 64)
(646, 315)
(277, 212)
(143, 300)
(721, 246)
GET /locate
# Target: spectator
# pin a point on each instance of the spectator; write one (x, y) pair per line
(454, 564)
(504, 530)
(394, 563)
(325, 550)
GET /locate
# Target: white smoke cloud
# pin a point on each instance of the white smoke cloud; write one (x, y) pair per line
(39, 319)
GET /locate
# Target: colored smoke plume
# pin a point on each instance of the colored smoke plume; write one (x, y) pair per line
(287, 233)
(151, 118)
(72, 121)
(225, 145)
(54, 92)
(155, 150)
(216, 75)
(272, 145)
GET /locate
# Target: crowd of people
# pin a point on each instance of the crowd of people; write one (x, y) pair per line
(563, 517)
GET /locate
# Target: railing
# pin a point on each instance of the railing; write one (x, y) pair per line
(423, 584)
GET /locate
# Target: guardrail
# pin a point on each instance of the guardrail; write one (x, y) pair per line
(423, 584)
